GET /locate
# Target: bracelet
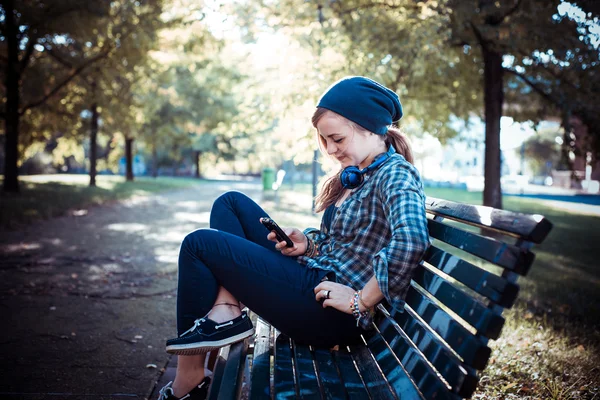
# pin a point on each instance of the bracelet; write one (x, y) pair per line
(366, 316)
(311, 248)
(361, 300)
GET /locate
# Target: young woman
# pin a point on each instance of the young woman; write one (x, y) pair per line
(322, 290)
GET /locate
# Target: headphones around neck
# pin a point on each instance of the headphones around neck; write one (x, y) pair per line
(352, 177)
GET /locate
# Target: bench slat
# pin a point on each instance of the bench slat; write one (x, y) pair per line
(499, 253)
(231, 385)
(306, 376)
(403, 386)
(332, 385)
(352, 382)
(459, 376)
(494, 287)
(377, 384)
(260, 387)
(285, 386)
(215, 385)
(533, 228)
(487, 323)
(472, 350)
(423, 375)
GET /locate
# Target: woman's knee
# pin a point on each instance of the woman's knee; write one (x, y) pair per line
(230, 198)
(199, 239)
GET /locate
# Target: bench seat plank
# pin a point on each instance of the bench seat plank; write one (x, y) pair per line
(260, 387)
(487, 322)
(472, 350)
(306, 376)
(355, 387)
(215, 385)
(460, 377)
(398, 379)
(377, 385)
(502, 254)
(533, 228)
(494, 287)
(422, 374)
(285, 385)
(330, 381)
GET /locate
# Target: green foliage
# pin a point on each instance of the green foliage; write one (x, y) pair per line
(76, 54)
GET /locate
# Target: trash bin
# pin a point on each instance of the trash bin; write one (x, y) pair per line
(268, 178)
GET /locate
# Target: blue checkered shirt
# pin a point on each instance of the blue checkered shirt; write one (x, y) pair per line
(380, 229)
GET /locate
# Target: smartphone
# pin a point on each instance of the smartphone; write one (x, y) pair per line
(272, 226)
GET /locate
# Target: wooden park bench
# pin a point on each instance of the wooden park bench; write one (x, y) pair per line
(436, 349)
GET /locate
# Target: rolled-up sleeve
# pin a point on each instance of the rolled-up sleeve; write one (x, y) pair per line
(403, 203)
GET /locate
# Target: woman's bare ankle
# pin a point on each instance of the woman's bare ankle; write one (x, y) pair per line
(185, 382)
(223, 312)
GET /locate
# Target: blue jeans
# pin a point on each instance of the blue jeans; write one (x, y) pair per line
(236, 254)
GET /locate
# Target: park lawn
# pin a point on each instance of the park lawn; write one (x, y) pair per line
(47, 196)
(550, 345)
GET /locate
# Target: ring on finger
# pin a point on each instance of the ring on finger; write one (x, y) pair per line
(327, 294)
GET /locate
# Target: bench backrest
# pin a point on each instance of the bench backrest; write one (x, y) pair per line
(438, 345)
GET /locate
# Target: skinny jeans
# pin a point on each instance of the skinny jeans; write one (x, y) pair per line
(236, 254)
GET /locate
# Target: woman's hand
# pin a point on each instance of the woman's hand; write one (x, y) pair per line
(336, 295)
(297, 237)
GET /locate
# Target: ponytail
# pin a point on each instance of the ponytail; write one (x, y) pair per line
(396, 138)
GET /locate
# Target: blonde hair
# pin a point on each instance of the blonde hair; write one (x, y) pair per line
(333, 186)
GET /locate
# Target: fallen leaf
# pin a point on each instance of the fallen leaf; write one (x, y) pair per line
(581, 348)
(509, 386)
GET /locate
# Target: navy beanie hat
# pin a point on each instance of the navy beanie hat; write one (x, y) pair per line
(364, 101)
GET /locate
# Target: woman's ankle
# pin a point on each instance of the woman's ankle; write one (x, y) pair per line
(223, 312)
(185, 382)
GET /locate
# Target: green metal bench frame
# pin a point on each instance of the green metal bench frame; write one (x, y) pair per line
(434, 350)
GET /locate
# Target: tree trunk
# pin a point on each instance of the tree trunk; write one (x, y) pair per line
(93, 140)
(197, 155)
(129, 159)
(11, 121)
(493, 99)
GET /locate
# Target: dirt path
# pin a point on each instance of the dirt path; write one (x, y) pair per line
(87, 301)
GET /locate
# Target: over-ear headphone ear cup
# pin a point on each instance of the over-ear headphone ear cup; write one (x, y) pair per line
(351, 177)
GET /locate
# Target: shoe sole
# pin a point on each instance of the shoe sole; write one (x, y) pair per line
(204, 347)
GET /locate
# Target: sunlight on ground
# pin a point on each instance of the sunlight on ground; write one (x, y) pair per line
(200, 218)
(103, 181)
(127, 227)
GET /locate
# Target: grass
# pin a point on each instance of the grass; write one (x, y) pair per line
(550, 344)
(47, 196)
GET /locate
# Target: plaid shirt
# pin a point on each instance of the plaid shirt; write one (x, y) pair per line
(380, 229)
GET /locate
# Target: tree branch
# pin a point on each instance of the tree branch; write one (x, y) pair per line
(478, 35)
(60, 60)
(27, 54)
(499, 20)
(533, 85)
(73, 74)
